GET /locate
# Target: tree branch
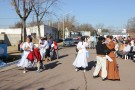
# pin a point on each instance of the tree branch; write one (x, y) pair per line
(46, 9)
(17, 8)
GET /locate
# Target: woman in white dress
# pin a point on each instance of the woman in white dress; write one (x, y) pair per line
(27, 47)
(81, 59)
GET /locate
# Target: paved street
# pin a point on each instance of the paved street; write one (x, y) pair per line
(60, 75)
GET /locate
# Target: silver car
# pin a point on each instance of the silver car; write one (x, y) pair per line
(68, 42)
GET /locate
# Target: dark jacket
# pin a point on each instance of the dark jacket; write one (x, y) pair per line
(101, 48)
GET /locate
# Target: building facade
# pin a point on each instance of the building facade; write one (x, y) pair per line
(13, 36)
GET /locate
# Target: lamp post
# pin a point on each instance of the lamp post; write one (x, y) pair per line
(58, 29)
(63, 28)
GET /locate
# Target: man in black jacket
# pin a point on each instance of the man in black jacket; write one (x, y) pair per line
(101, 50)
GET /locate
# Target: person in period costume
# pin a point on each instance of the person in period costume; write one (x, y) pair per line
(101, 59)
(81, 58)
(47, 50)
(116, 47)
(54, 50)
(27, 48)
(112, 69)
(43, 46)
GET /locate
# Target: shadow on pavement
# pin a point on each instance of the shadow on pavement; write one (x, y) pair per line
(52, 65)
(12, 58)
(47, 66)
(15, 52)
(62, 56)
(91, 64)
(41, 89)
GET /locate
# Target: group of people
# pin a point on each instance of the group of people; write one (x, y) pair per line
(106, 66)
(91, 42)
(37, 53)
(107, 50)
(125, 47)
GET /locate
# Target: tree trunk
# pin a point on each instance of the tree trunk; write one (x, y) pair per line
(38, 25)
(39, 34)
(24, 30)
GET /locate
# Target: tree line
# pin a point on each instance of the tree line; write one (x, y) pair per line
(42, 8)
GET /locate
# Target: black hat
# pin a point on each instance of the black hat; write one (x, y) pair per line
(100, 38)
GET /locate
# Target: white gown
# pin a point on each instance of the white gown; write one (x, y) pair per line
(81, 59)
(24, 62)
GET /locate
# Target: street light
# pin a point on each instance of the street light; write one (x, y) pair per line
(63, 24)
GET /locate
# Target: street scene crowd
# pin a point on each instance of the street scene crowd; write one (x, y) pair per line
(67, 45)
(108, 49)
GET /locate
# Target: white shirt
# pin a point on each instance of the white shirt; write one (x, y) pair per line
(30, 45)
(132, 43)
(82, 46)
(45, 45)
(116, 47)
(127, 48)
(92, 38)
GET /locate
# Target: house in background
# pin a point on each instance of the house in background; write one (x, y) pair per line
(13, 36)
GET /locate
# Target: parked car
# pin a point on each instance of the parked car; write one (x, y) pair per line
(68, 42)
(76, 40)
(59, 40)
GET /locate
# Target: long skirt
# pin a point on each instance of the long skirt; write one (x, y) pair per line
(112, 70)
(81, 60)
(24, 62)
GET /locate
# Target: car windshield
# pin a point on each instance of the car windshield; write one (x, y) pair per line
(68, 39)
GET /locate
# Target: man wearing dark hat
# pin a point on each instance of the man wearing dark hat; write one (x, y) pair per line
(101, 59)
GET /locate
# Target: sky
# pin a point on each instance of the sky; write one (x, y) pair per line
(111, 13)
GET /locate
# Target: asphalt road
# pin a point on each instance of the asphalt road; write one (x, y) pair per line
(60, 75)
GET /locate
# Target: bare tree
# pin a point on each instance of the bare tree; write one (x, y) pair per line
(99, 26)
(23, 9)
(70, 22)
(17, 25)
(86, 27)
(105, 30)
(33, 23)
(131, 25)
(42, 8)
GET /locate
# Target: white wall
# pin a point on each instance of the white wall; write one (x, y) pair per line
(35, 30)
(11, 31)
(86, 33)
(29, 30)
(44, 29)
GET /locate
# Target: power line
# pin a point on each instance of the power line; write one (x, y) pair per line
(14, 18)
(9, 18)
